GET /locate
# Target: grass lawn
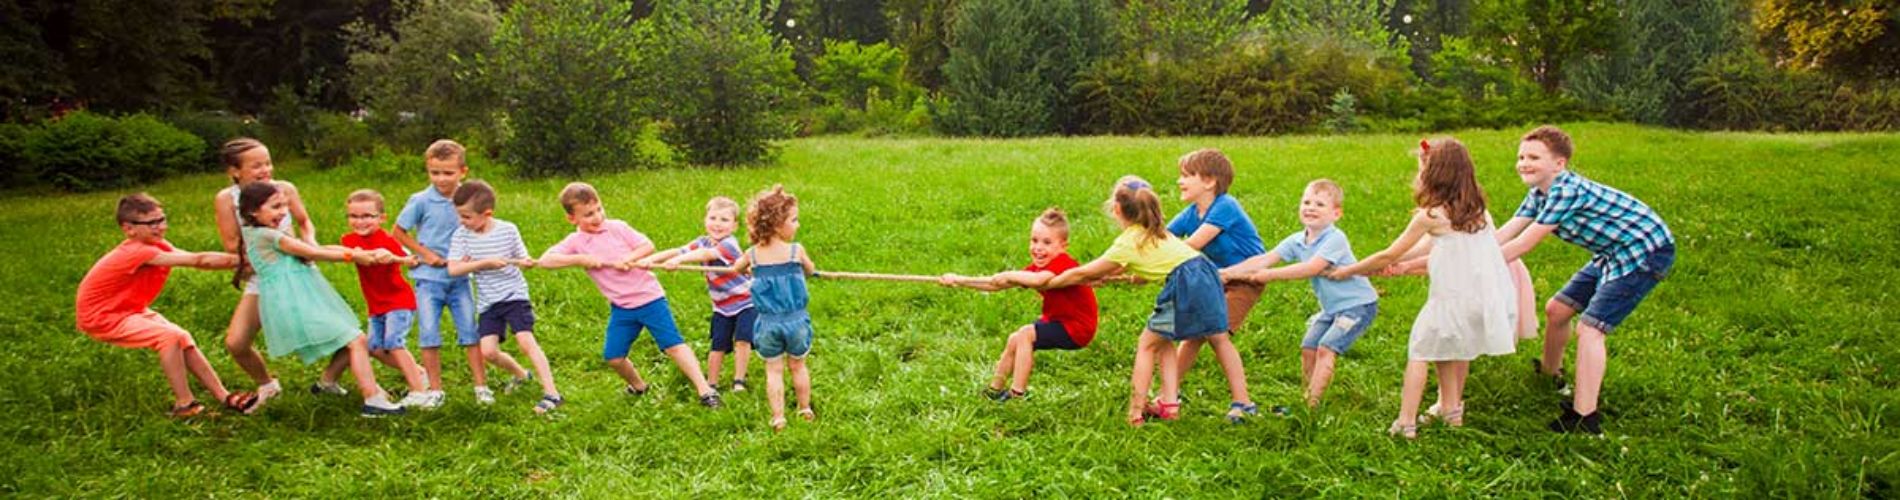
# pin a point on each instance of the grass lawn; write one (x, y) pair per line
(1765, 364)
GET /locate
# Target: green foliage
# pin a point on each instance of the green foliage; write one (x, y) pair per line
(215, 128)
(1661, 44)
(565, 73)
(88, 152)
(1361, 22)
(337, 138)
(1541, 38)
(422, 82)
(1012, 64)
(1344, 111)
(1744, 92)
(848, 73)
(1854, 38)
(725, 81)
(921, 28)
(1264, 88)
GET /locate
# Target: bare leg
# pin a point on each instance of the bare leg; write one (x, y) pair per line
(714, 361)
(1143, 376)
(1323, 361)
(411, 373)
(741, 357)
(1307, 358)
(1593, 360)
(492, 353)
(477, 363)
(200, 367)
(240, 340)
(1006, 362)
(1170, 368)
(1024, 347)
(1413, 391)
(1451, 389)
(683, 358)
(801, 383)
(1186, 353)
(1230, 364)
(338, 362)
(775, 387)
(628, 373)
(432, 365)
(171, 360)
(358, 358)
(1556, 335)
(542, 371)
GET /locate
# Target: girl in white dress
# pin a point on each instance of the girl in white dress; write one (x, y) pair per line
(1471, 308)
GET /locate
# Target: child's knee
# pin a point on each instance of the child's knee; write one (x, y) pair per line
(1558, 311)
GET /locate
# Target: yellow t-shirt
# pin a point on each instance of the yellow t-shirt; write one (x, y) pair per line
(1151, 263)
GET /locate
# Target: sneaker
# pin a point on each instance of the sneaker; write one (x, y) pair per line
(484, 396)
(1573, 422)
(328, 388)
(436, 398)
(1005, 396)
(636, 392)
(380, 406)
(711, 400)
(516, 383)
(1237, 412)
(548, 404)
(419, 399)
(738, 385)
(268, 390)
(994, 394)
(1559, 383)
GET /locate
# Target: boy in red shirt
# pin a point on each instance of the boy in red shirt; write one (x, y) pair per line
(114, 302)
(392, 303)
(1068, 314)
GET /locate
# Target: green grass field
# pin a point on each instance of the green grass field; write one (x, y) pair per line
(1765, 365)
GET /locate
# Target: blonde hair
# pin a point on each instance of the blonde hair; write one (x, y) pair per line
(1055, 220)
(723, 203)
(1210, 163)
(362, 195)
(577, 194)
(767, 211)
(1134, 203)
(1330, 189)
(447, 149)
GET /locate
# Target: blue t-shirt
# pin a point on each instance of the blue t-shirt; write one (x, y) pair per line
(430, 217)
(1334, 296)
(1238, 240)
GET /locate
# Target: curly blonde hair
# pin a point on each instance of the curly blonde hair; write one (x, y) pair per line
(767, 212)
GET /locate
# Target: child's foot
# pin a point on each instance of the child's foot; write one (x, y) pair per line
(807, 414)
(1401, 429)
(994, 393)
(1164, 411)
(1005, 396)
(1572, 422)
(637, 391)
(778, 424)
(516, 383)
(1454, 417)
(322, 388)
(418, 400)
(711, 400)
(188, 410)
(1557, 381)
(1237, 412)
(379, 406)
(548, 404)
(436, 398)
(1281, 410)
(738, 385)
(484, 396)
(242, 402)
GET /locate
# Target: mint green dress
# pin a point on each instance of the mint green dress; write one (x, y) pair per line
(301, 312)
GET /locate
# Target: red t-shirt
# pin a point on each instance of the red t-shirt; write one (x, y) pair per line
(383, 286)
(1073, 307)
(120, 285)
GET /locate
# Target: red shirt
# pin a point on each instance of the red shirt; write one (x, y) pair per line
(120, 285)
(383, 286)
(1073, 307)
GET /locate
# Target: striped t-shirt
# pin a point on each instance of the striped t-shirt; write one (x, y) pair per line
(501, 241)
(731, 292)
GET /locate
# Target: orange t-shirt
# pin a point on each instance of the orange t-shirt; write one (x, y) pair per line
(120, 285)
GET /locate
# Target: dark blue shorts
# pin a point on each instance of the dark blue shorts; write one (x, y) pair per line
(727, 329)
(1605, 304)
(500, 319)
(1052, 335)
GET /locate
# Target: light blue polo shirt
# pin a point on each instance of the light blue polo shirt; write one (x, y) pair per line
(1334, 296)
(430, 217)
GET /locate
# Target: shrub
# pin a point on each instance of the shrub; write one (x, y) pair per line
(337, 138)
(214, 128)
(725, 80)
(422, 82)
(1013, 63)
(86, 152)
(565, 77)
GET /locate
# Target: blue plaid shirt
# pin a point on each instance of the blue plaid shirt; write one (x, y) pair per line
(1615, 226)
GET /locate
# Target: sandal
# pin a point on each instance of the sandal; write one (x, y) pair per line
(1454, 418)
(1399, 429)
(711, 400)
(1164, 411)
(738, 385)
(778, 424)
(242, 402)
(188, 410)
(637, 391)
(548, 404)
(1237, 412)
(807, 415)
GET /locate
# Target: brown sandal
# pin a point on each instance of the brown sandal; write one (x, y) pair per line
(242, 402)
(188, 410)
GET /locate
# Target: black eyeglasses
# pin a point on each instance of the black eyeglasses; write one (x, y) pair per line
(154, 222)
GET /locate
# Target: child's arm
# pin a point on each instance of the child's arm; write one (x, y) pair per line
(1413, 232)
(308, 251)
(200, 260)
(1511, 229)
(1202, 235)
(305, 226)
(1094, 270)
(674, 257)
(422, 253)
(1310, 268)
(660, 257)
(465, 266)
(552, 259)
(1246, 268)
(980, 283)
(804, 257)
(227, 222)
(743, 265)
(1526, 241)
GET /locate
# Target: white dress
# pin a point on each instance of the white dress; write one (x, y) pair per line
(1471, 308)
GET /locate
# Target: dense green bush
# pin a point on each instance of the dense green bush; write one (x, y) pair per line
(422, 82)
(337, 138)
(861, 88)
(215, 127)
(14, 170)
(87, 152)
(1013, 63)
(1744, 91)
(1264, 88)
(725, 79)
(564, 71)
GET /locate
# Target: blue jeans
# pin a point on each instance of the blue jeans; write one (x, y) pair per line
(1605, 304)
(1336, 332)
(434, 296)
(390, 331)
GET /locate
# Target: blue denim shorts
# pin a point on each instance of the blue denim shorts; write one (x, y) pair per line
(623, 327)
(390, 330)
(432, 297)
(786, 334)
(1337, 332)
(1606, 303)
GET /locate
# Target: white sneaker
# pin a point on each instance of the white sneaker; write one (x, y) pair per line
(379, 406)
(436, 398)
(268, 390)
(419, 399)
(484, 395)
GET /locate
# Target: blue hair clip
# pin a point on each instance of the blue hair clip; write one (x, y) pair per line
(1136, 185)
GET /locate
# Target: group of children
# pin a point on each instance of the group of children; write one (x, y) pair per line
(1210, 260)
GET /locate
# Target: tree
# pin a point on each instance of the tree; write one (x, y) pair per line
(426, 69)
(1013, 63)
(1542, 37)
(565, 73)
(922, 29)
(725, 79)
(1854, 38)
(1662, 44)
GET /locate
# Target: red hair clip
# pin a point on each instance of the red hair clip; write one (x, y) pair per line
(1424, 146)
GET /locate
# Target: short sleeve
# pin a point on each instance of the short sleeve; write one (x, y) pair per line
(1184, 223)
(698, 243)
(410, 216)
(1224, 213)
(1122, 251)
(728, 250)
(395, 247)
(634, 239)
(1528, 208)
(135, 256)
(1288, 249)
(458, 244)
(521, 247)
(1336, 250)
(567, 244)
(1560, 205)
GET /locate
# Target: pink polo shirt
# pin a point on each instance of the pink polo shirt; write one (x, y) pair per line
(615, 241)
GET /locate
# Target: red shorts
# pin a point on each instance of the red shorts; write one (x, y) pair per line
(146, 330)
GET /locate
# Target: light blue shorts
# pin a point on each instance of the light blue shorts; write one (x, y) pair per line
(1336, 332)
(390, 330)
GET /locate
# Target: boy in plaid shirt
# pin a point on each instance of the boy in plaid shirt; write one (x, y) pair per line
(1632, 250)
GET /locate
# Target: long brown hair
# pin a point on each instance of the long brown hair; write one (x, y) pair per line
(1448, 181)
(1133, 201)
(251, 197)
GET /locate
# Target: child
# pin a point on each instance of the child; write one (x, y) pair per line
(1346, 308)
(1214, 223)
(1190, 305)
(778, 268)
(392, 304)
(115, 298)
(634, 294)
(1633, 251)
(491, 250)
(424, 226)
(246, 161)
(731, 293)
(1068, 314)
(301, 313)
(1469, 311)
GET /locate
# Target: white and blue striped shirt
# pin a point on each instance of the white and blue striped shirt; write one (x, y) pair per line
(501, 241)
